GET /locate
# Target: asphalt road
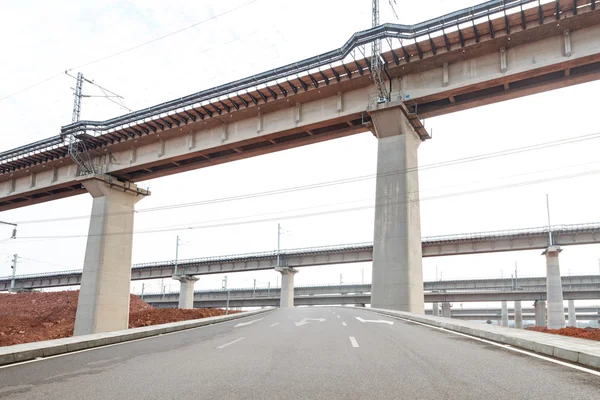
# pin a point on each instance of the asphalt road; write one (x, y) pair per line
(280, 356)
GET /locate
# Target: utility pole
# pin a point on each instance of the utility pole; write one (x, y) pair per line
(376, 65)
(269, 289)
(341, 279)
(78, 150)
(224, 283)
(78, 96)
(143, 290)
(14, 272)
(362, 272)
(254, 290)
(516, 276)
(549, 224)
(14, 232)
(278, 243)
(176, 256)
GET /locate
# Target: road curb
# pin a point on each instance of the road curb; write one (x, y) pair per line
(29, 351)
(574, 350)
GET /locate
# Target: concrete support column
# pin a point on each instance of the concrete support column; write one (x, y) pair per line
(186, 291)
(540, 313)
(287, 286)
(572, 315)
(518, 315)
(554, 294)
(436, 310)
(397, 281)
(504, 319)
(446, 312)
(104, 295)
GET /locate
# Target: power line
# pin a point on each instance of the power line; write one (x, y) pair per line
(130, 48)
(30, 86)
(164, 36)
(40, 261)
(216, 223)
(447, 163)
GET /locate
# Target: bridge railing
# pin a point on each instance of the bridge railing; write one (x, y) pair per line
(514, 233)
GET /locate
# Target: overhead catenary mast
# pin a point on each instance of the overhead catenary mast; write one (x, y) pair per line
(77, 148)
(376, 64)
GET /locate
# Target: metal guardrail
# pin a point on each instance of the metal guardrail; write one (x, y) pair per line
(398, 31)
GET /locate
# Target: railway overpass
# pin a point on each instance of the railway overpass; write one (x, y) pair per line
(219, 299)
(459, 244)
(517, 52)
(537, 285)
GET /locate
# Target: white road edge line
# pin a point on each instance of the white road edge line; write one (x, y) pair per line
(504, 346)
(343, 323)
(353, 341)
(230, 343)
(276, 323)
(248, 323)
(117, 344)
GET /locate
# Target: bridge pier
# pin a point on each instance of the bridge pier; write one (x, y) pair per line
(504, 314)
(287, 286)
(436, 310)
(186, 291)
(556, 307)
(540, 312)
(572, 315)
(518, 315)
(446, 311)
(397, 281)
(104, 295)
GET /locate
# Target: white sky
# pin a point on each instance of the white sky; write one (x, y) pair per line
(47, 38)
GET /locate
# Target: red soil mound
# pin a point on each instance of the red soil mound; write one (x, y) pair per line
(584, 333)
(31, 317)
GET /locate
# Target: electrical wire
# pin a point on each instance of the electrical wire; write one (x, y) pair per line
(217, 224)
(447, 163)
(38, 261)
(165, 36)
(130, 48)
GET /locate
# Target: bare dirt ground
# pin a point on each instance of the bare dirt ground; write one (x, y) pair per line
(584, 333)
(31, 317)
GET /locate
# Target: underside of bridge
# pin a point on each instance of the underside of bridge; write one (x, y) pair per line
(480, 55)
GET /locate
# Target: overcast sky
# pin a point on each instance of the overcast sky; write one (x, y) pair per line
(48, 38)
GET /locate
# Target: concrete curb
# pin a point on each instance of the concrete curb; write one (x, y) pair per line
(29, 351)
(575, 350)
